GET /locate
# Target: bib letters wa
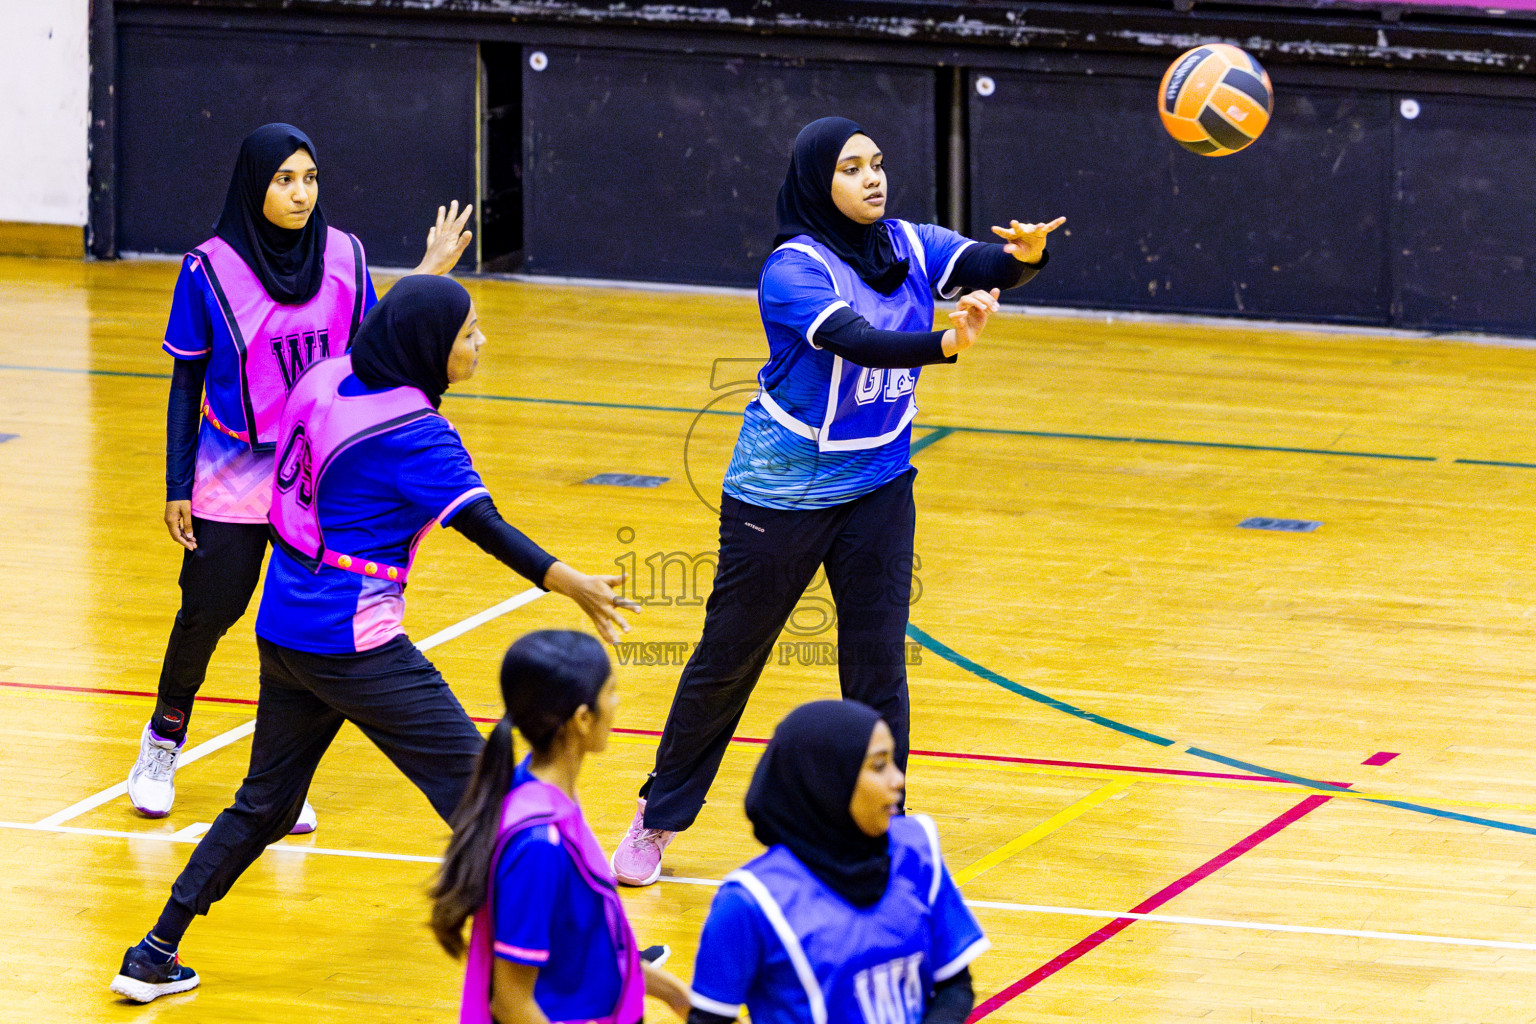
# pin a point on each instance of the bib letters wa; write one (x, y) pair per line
(277, 342)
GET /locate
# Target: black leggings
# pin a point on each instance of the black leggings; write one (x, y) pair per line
(392, 693)
(767, 559)
(217, 581)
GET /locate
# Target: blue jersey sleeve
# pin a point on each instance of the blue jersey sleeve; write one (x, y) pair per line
(528, 879)
(957, 937)
(941, 248)
(730, 952)
(189, 333)
(436, 473)
(796, 292)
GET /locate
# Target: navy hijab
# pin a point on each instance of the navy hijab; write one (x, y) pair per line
(806, 207)
(404, 341)
(289, 263)
(800, 794)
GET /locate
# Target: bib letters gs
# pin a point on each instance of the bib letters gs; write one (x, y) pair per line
(866, 407)
(318, 424)
(277, 342)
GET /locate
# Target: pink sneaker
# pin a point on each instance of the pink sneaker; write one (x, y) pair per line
(637, 860)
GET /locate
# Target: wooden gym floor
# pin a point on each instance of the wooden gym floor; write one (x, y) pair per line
(1185, 771)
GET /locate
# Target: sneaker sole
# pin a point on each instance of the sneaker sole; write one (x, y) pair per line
(148, 812)
(301, 830)
(144, 991)
(630, 882)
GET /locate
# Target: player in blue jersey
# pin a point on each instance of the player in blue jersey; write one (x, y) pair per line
(851, 916)
(365, 467)
(550, 941)
(273, 290)
(821, 475)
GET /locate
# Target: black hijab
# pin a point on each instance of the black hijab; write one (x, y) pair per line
(800, 794)
(404, 341)
(290, 263)
(806, 207)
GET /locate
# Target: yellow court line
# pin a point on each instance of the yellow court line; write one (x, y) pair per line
(1041, 830)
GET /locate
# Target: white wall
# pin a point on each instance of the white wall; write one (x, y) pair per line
(44, 110)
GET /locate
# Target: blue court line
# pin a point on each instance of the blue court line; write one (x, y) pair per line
(949, 654)
(936, 434)
(86, 372)
(935, 428)
(1486, 462)
(8, 437)
(954, 657)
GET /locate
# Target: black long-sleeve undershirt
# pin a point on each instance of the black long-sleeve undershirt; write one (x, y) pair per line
(985, 266)
(952, 1001)
(182, 413)
(482, 524)
(980, 266)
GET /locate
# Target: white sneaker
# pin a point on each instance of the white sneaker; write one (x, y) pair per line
(306, 823)
(152, 782)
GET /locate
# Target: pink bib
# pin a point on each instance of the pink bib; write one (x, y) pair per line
(275, 341)
(538, 803)
(318, 424)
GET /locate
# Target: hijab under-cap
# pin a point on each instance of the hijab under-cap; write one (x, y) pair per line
(801, 791)
(289, 263)
(405, 339)
(806, 207)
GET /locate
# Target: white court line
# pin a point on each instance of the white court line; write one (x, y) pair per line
(111, 793)
(1023, 908)
(239, 732)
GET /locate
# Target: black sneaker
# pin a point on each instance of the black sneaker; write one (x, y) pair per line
(142, 979)
(655, 955)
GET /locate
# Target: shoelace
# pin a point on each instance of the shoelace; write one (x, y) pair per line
(646, 835)
(159, 763)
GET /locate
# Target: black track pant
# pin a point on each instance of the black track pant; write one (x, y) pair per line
(217, 581)
(392, 693)
(767, 559)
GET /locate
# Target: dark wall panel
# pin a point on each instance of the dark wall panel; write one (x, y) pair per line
(394, 121)
(1467, 257)
(1293, 226)
(660, 167)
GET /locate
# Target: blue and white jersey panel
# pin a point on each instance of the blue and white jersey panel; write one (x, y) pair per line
(781, 942)
(823, 431)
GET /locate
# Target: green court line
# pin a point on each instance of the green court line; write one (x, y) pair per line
(938, 430)
(936, 434)
(85, 372)
(949, 654)
(1486, 462)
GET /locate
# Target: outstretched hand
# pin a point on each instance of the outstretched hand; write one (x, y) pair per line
(594, 595)
(1026, 242)
(969, 317)
(446, 240)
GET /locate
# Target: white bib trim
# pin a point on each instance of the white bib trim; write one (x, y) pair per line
(775, 915)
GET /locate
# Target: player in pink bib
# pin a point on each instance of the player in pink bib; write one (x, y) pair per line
(366, 465)
(550, 940)
(273, 291)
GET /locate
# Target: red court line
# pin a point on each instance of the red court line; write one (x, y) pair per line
(118, 693)
(1148, 905)
(760, 741)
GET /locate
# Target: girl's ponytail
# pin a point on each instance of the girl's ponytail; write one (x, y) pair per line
(459, 890)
